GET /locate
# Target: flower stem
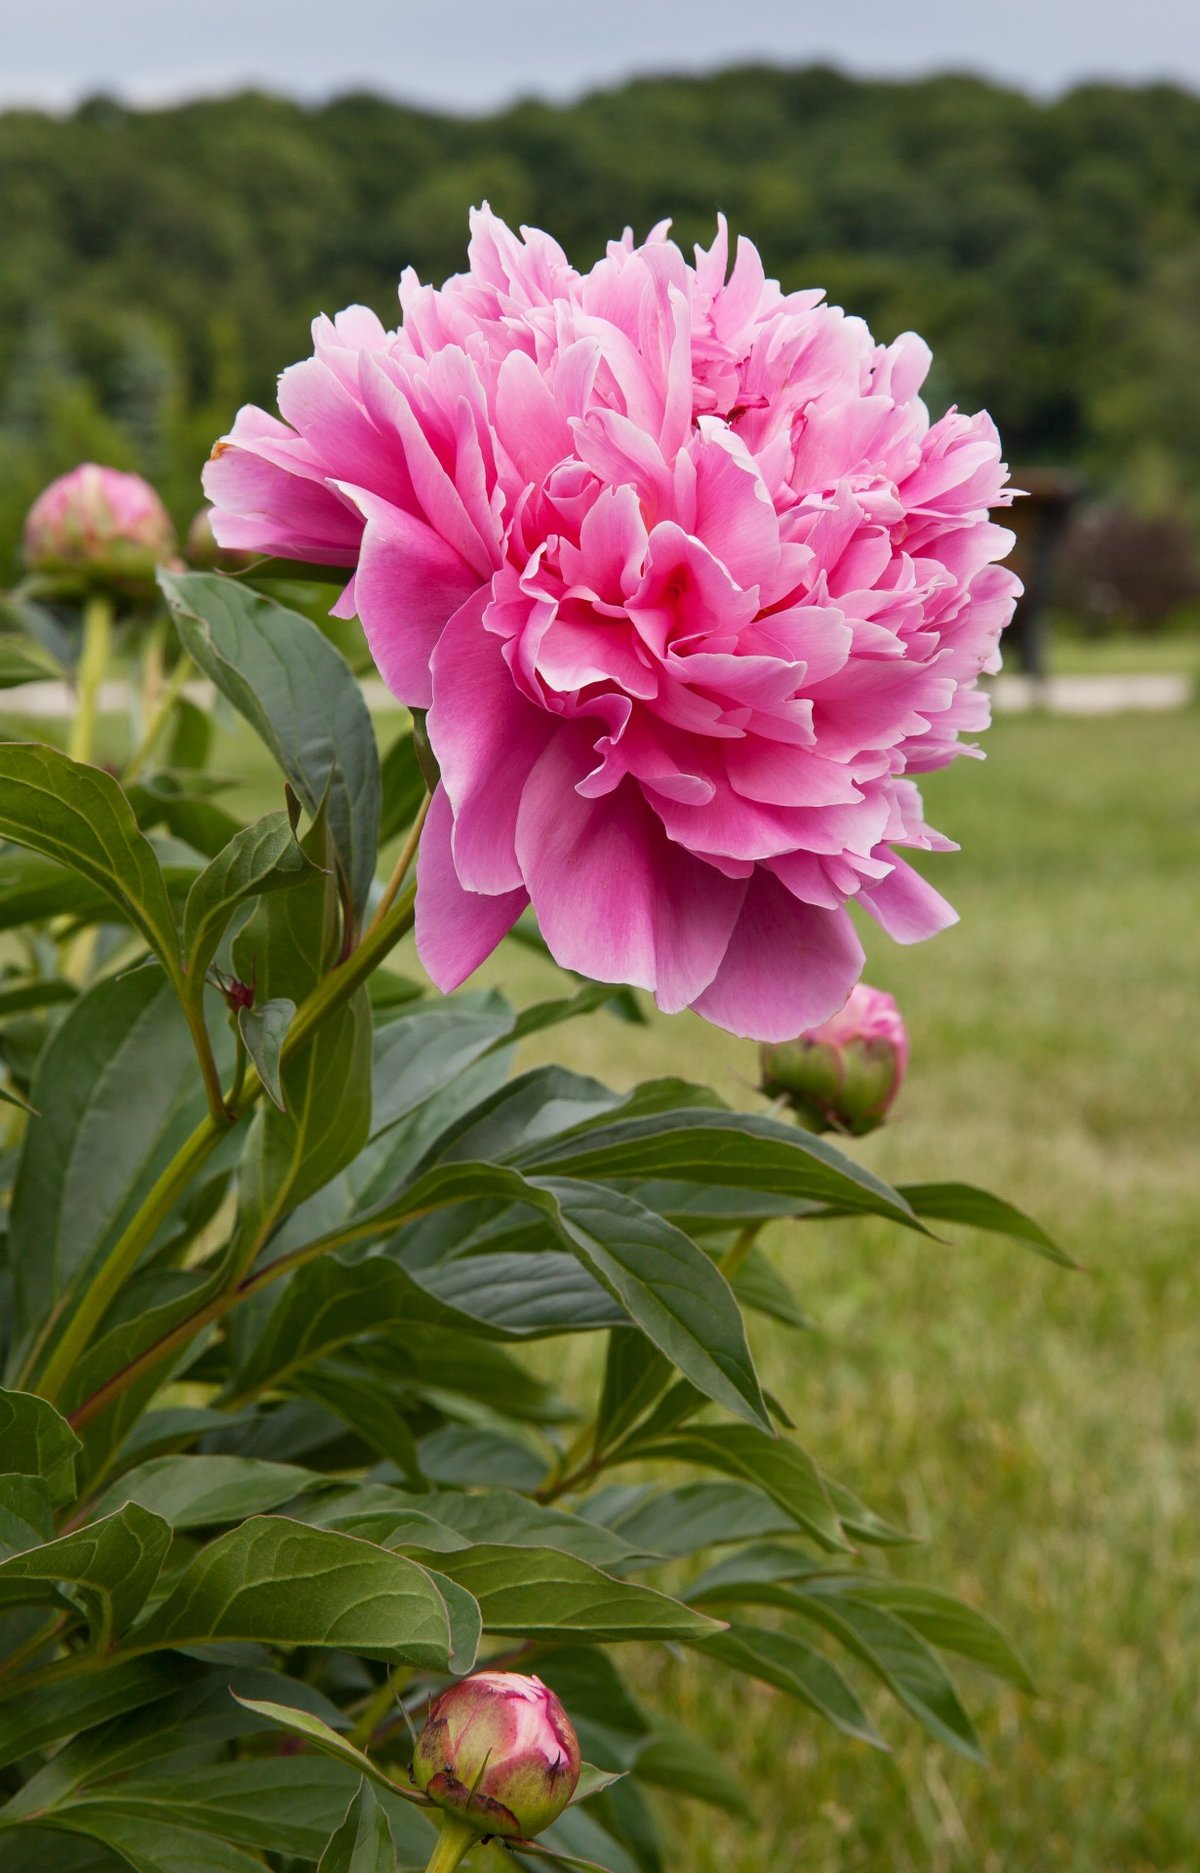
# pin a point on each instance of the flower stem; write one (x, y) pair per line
(453, 1842)
(157, 720)
(93, 664)
(404, 860)
(738, 1250)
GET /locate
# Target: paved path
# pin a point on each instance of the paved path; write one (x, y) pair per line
(1059, 695)
(1092, 695)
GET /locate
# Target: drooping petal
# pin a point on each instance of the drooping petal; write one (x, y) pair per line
(487, 738)
(456, 928)
(906, 905)
(789, 966)
(408, 586)
(615, 899)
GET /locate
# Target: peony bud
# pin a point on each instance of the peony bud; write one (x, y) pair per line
(203, 551)
(843, 1075)
(97, 528)
(498, 1751)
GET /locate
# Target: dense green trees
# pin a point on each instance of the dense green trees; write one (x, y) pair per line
(158, 267)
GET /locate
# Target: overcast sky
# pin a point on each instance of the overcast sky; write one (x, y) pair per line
(472, 55)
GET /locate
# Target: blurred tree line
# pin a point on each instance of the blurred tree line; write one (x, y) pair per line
(159, 267)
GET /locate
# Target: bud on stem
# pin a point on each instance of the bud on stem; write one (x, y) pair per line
(844, 1075)
(93, 662)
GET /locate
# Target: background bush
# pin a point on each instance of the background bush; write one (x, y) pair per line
(159, 267)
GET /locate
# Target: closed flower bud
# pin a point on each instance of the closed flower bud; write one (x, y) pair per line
(844, 1075)
(97, 528)
(498, 1751)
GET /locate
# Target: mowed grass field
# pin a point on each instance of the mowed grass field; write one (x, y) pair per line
(1041, 1429)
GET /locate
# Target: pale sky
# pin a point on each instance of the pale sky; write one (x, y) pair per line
(473, 55)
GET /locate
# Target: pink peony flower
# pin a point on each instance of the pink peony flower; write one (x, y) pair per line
(499, 1751)
(98, 526)
(843, 1075)
(689, 584)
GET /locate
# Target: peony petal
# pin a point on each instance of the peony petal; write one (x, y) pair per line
(615, 899)
(789, 966)
(908, 907)
(408, 586)
(487, 738)
(456, 929)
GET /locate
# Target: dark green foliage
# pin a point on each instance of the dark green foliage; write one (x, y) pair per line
(159, 267)
(273, 1463)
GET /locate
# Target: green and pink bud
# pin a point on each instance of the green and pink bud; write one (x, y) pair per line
(499, 1754)
(844, 1075)
(99, 529)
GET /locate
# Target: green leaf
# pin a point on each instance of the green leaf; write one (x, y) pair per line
(33, 888)
(522, 1295)
(791, 1665)
(300, 696)
(586, 999)
(78, 816)
(162, 1848)
(203, 1491)
(303, 1723)
(593, 1781)
(43, 993)
(531, 1592)
(471, 1456)
(357, 1398)
(898, 1656)
(427, 1049)
(759, 1284)
(466, 1621)
(773, 1464)
(686, 1765)
(978, 1209)
(943, 1621)
(635, 1375)
(22, 661)
(731, 1149)
(363, 1843)
(44, 1716)
(263, 1031)
(323, 1117)
(862, 1523)
(262, 857)
(36, 1441)
(118, 1093)
(105, 1570)
(697, 1515)
(26, 1513)
(667, 1286)
(288, 1805)
(445, 1520)
(531, 1849)
(283, 1583)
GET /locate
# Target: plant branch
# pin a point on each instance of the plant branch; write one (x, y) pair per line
(400, 869)
(452, 1843)
(168, 697)
(93, 664)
